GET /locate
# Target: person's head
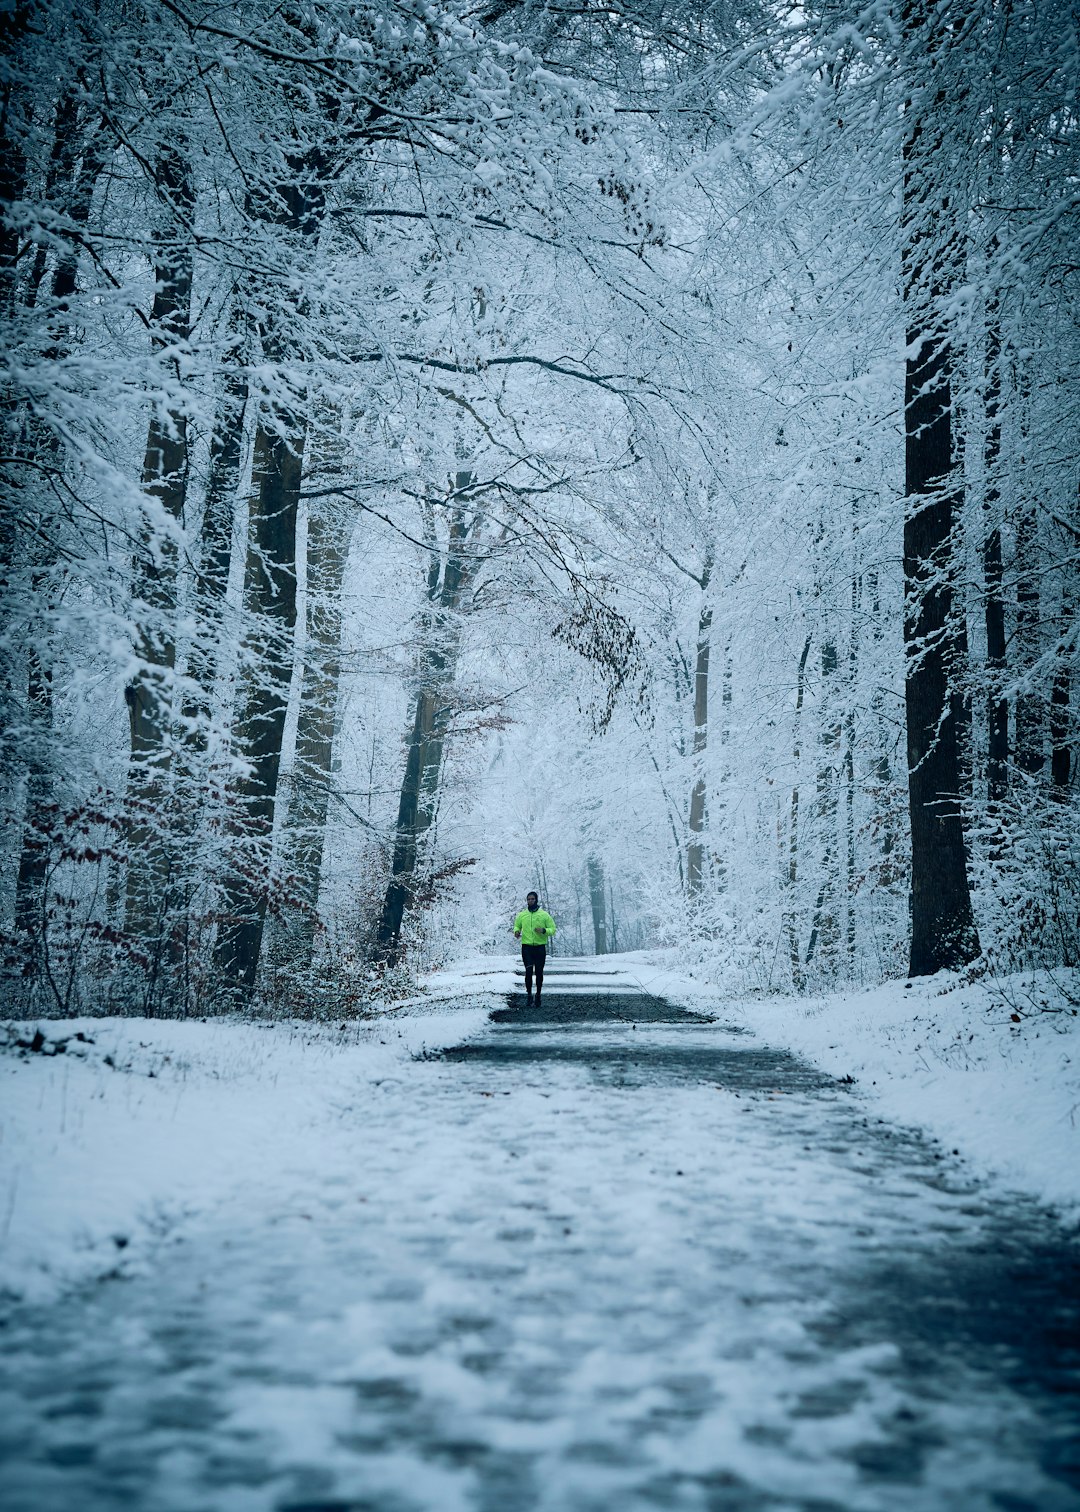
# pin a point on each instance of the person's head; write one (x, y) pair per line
(532, 902)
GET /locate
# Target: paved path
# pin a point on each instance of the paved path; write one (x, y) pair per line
(602, 1258)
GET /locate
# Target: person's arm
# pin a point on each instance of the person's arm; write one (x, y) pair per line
(517, 927)
(550, 927)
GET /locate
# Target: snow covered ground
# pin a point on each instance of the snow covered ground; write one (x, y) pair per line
(591, 1268)
(991, 1075)
(110, 1144)
(991, 1069)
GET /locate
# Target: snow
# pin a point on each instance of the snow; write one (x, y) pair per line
(585, 1279)
(97, 1160)
(948, 1057)
(989, 1068)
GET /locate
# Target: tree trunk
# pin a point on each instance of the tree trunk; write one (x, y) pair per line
(270, 600)
(424, 743)
(1030, 757)
(943, 933)
(578, 902)
(13, 104)
(62, 176)
(164, 478)
(1060, 696)
(825, 926)
(77, 182)
(309, 794)
(997, 712)
(791, 925)
(598, 902)
(880, 765)
(695, 851)
(296, 204)
(962, 716)
(215, 553)
(34, 850)
(719, 826)
(1061, 754)
(850, 738)
(407, 831)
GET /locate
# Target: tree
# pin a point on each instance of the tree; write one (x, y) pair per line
(311, 786)
(149, 694)
(943, 933)
(451, 573)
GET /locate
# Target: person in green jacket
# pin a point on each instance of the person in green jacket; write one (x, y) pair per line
(534, 928)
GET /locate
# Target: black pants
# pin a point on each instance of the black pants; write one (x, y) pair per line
(534, 956)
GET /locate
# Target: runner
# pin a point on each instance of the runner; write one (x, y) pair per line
(534, 928)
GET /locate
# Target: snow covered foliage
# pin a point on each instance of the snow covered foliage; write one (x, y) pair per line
(625, 449)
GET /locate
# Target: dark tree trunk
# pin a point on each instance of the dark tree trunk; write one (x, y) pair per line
(406, 833)
(412, 823)
(296, 205)
(14, 108)
(850, 738)
(13, 102)
(943, 933)
(164, 478)
(215, 552)
(997, 708)
(270, 599)
(943, 925)
(1061, 753)
(60, 176)
(1030, 756)
(34, 851)
(598, 902)
(720, 819)
(997, 742)
(1060, 721)
(423, 761)
(825, 927)
(960, 698)
(12, 184)
(791, 914)
(695, 851)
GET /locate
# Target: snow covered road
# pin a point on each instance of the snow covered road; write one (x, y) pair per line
(592, 1262)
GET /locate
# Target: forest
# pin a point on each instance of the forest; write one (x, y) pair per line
(626, 448)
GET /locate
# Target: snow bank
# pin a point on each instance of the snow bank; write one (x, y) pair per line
(145, 1123)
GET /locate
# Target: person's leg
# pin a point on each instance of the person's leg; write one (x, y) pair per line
(541, 957)
(527, 957)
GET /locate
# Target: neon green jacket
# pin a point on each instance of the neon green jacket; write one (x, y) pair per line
(535, 928)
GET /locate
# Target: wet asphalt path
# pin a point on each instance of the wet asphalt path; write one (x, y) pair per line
(605, 1256)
